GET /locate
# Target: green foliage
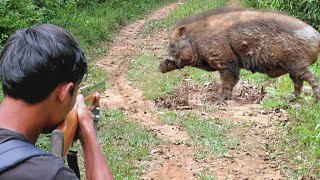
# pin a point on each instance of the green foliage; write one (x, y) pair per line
(92, 22)
(192, 7)
(15, 15)
(185, 10)
(307, 10)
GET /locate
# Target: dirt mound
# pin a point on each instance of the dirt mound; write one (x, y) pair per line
(187, 95)
(249, 92)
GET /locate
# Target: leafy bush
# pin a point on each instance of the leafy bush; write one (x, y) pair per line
(16, 14)
(91, 21)
(307, 10)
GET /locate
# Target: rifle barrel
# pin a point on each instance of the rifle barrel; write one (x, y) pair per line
(89, 89)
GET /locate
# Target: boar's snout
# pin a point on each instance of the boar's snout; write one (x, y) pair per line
(167, 65)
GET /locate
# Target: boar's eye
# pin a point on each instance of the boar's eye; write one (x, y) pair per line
(173, 51)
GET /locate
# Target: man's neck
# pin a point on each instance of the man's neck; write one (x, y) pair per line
(18, 116)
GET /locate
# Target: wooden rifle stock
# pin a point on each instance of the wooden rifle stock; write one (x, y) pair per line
(63, 136)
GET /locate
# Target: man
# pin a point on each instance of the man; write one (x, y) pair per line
(41, 69)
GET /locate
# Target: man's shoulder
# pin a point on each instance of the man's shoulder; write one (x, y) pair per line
(40, 167)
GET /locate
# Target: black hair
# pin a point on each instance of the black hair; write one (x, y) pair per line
(35, 60)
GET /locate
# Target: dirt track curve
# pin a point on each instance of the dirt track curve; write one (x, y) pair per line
(175, 160)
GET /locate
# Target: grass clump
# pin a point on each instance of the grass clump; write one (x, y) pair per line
(124, 144)
(255, 78)
(205, 132)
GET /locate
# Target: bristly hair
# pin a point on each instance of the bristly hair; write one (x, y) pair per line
(211, 12)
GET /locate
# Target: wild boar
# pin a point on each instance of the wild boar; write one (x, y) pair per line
(264, 41)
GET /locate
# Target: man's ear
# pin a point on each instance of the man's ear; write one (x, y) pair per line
(64, 90)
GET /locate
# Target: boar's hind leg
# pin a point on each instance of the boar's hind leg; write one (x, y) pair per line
(313, 81)
(306, 75)
(298, 83)
(229, 78)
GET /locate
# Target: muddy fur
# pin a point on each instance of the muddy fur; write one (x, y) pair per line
(227, 40)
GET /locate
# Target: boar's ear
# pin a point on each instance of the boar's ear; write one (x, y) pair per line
(180, 32)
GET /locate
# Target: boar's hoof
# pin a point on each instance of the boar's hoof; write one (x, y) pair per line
(167, 65)
(317, 94)
(223, 97)
(293, 99)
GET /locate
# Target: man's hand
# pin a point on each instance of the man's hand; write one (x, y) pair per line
(85, 115)
(95, 164)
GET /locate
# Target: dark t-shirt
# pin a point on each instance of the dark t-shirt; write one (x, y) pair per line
(38, 167)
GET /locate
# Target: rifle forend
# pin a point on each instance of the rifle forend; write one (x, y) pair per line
(63, 136)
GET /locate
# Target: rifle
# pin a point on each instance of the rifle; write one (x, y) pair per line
(64, 135)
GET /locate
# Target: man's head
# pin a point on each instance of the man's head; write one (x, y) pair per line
(36, 60)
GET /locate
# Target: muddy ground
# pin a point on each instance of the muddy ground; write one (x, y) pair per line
(175, 161)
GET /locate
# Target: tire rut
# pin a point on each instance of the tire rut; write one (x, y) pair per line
(176, 160)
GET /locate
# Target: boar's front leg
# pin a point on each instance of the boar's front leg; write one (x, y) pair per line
(229, 78)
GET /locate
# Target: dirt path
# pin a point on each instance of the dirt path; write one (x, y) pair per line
(174, 160)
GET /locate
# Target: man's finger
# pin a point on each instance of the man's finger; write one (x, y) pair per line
(97, 99)
(95, 102)
(80, 101)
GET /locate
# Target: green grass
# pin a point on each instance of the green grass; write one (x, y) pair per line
(208, 133)
(254, 78)
(143, 73)
(184, 10)
(299, 136)
(124, 144)
(95, 75)
(205, 174)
